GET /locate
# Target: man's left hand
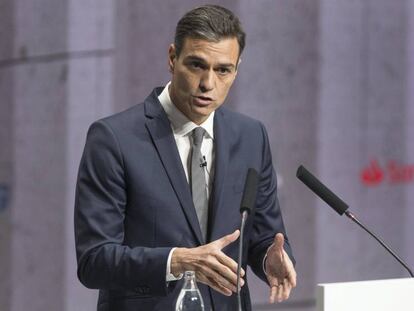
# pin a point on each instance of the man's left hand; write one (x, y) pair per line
(280, 272)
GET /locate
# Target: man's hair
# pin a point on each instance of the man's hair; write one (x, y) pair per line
(211, 23)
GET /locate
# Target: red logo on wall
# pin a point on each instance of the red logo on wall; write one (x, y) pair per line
(393, 172)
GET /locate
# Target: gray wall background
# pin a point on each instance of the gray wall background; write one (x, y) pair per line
(333, 81)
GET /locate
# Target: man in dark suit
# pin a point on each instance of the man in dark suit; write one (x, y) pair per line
(160, 184)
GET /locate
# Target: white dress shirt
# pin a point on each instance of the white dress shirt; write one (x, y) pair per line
(182, 129)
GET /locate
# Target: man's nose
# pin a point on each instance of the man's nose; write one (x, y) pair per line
(207, 81)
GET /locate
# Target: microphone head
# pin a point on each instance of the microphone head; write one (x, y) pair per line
(250, 191)
(321, 190)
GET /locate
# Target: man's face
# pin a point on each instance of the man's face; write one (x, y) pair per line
(202, 75)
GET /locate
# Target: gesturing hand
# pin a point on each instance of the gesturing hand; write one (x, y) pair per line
(280, 272)
(211, 265)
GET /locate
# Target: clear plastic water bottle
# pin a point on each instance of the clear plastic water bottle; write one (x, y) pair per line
(189, 298)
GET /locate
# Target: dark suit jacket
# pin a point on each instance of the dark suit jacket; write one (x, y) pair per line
(133, 204)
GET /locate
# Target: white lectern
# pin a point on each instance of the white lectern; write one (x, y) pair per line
(381, 295)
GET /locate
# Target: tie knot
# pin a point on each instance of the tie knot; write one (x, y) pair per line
(198, 134)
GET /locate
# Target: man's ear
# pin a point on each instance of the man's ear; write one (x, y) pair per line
(172, 57)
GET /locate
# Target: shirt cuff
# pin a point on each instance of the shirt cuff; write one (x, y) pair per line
(169, 276)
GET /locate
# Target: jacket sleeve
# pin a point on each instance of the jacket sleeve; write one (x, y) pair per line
(267, 221)
(104, 261)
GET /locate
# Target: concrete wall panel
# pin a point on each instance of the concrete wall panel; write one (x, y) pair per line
(89, 98)
(331, 80)
(39, 187)
(40, 27)
(362, 101)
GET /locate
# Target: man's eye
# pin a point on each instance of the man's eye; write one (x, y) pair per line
(223, 70)
(196, 65)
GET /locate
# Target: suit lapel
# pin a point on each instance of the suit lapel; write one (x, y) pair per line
(159, 128)
(222, 146)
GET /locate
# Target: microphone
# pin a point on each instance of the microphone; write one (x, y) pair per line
(204, 163)
(246, 207)
(249, 192)
(340, 207)
(321, 190)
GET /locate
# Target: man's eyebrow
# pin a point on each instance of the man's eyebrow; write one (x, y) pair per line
(201, 60)
(194, 57)
(227, 65)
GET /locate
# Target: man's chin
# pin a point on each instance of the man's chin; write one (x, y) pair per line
(198, 116)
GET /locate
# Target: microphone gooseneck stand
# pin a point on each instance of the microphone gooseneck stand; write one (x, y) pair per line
(355, 219)
(246, 206)
(340, 207)
(243, 223)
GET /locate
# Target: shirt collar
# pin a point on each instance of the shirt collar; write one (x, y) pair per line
(180, 124)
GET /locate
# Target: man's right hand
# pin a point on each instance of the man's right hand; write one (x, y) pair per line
(211, 265)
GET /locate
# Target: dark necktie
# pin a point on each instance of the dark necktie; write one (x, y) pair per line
(198, 180)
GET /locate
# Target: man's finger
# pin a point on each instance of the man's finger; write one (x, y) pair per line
(230, 275)
(287, 288)
(291, 272)
(279, 241)
(274, 289)
(227, 267)
(292, 277)
(229, 262)
(218, 287)
(215, 270)
(273, 294)
(216, 280)
(227, 239)
(280, 290)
